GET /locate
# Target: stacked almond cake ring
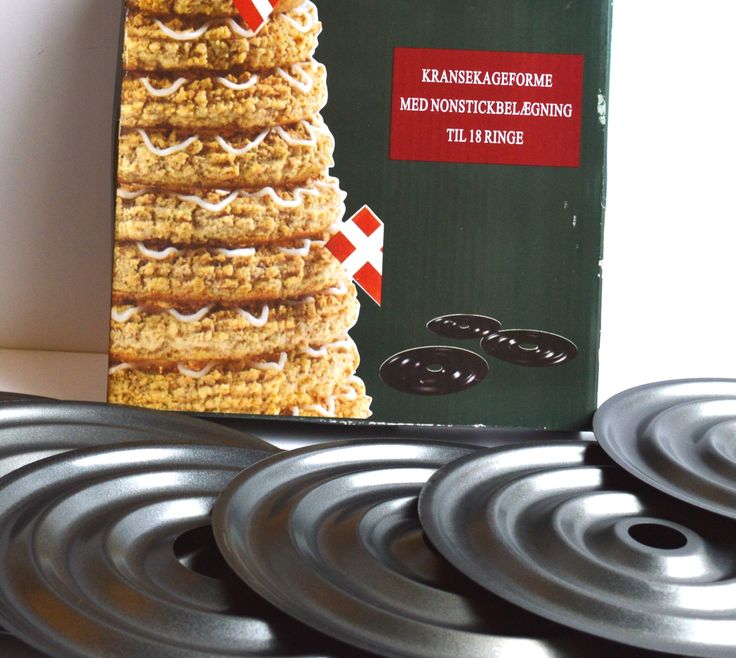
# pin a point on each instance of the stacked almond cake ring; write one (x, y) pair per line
(225, 298)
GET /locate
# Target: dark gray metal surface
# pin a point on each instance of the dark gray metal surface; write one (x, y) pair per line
(33, 428)
(30, 431)
(289, 434)
(11, 647)
(107, 552)
(563, 532)
(677, 436)
(9, 396)
(330, 534)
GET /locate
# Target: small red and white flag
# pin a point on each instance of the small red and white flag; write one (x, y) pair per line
(359, 247)
(255, 12)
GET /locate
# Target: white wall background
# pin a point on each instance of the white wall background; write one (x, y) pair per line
(669, 265)
(57, 65)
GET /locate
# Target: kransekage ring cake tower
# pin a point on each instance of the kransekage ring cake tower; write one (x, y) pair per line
(224, 296)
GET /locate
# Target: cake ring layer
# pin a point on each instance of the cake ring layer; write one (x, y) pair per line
(240, 217)
(200, 7)
(180, 44)
(203, 276)
(277, 156)
(237, 101)
(214, 333)
(348, 401)
(267, 387)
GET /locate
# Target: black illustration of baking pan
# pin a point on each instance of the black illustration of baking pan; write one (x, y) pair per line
(677, 436)
(529, 347)
(330, 534)
(563, 532)
(33, 430)
(464, 326)
(433, 370)
(108, 552)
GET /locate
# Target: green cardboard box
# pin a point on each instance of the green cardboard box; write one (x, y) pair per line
(456, 168)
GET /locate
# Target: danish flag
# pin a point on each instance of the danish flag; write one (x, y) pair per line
(255, 12)
(359, 247)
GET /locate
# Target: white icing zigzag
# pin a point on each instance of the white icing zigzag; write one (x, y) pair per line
(188, 35)
(349, 394)
(156, 255)
(195, 374)
(244, 252)
(297, 78)
(279, 366)
(298, 198)
(247, 252)
(327, 412)
(324, 351)
(299, 251)
(206, 205)
(162, 153)
(307, 11)
(248, 147)
(339, 291)
(246, 34)
(276, 366)
(164, 91)
(191, 35)
(294, 141)
(305, 85)
(298, 195)
(297, 201)
(313, 129)
(125, 315)
(239, 86)
(193, 317)
(128, 195)
(328, 180)
(300, 302)
(253, 320)
(120, 366)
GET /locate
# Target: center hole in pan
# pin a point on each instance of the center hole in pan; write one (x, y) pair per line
(659, 536)
(464, 326)
(529, 347)
(435, 367)
(197, 550)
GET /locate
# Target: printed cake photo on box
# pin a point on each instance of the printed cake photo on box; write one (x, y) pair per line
(422, 247)
(225, 298)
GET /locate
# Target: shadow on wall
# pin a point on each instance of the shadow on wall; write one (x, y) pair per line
(59, 62)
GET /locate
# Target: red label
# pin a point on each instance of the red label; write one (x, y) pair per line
(486, 107)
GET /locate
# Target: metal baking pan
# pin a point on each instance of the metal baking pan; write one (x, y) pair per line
(108, 551)
(8, 396)
(330, 534)
(30, 431)
(563, 532)
(677, 436)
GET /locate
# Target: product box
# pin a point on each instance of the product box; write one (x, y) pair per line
(375, 210)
